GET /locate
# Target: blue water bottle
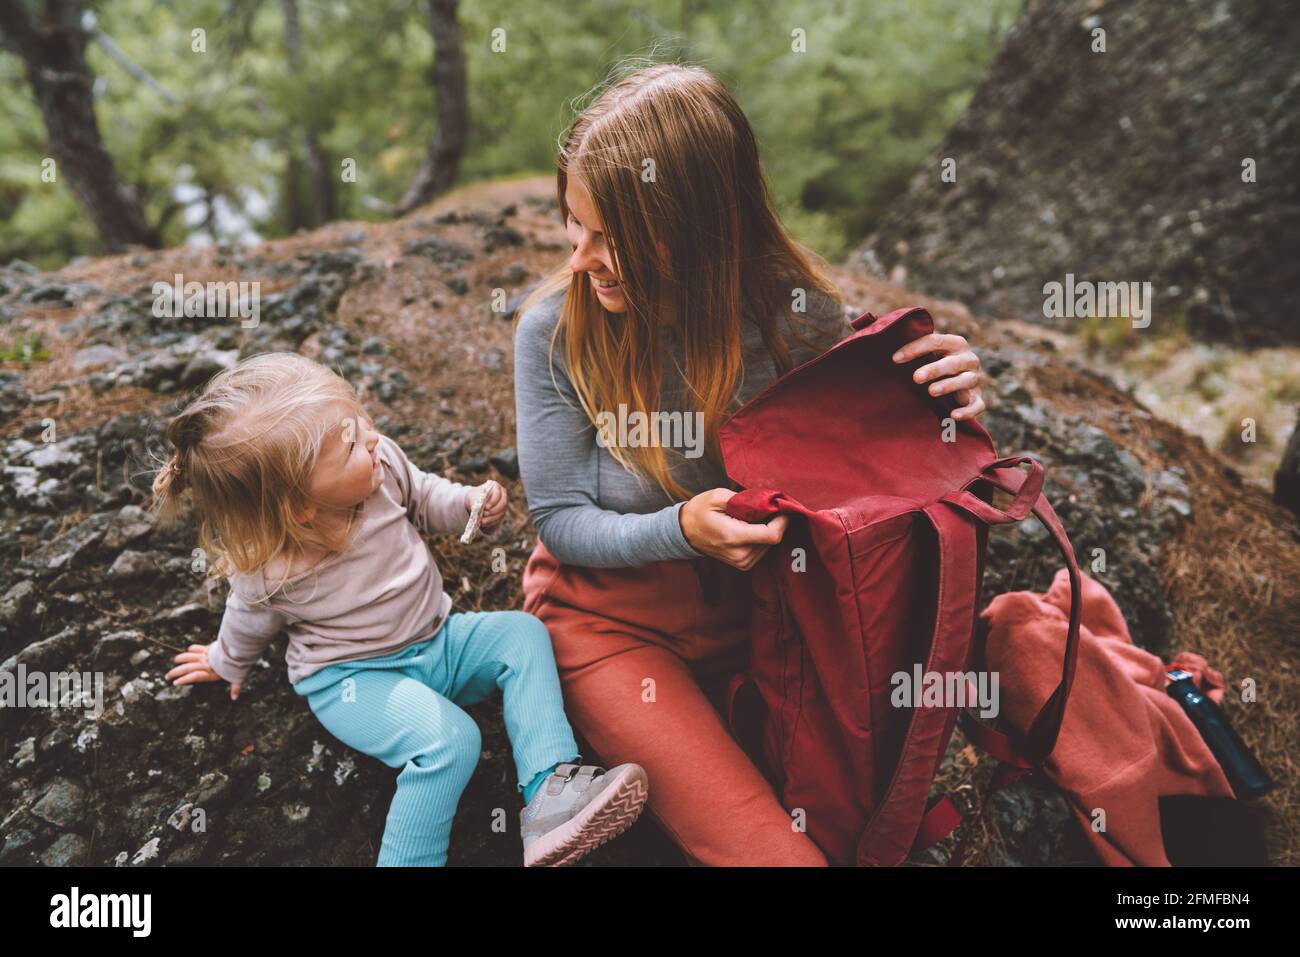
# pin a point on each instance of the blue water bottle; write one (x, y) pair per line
(1243, 772)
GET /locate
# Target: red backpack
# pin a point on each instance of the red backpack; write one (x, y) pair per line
(893, 523)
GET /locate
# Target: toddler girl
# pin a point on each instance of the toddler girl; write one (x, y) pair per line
(313, 516)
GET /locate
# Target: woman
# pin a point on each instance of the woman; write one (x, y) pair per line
(683, 295)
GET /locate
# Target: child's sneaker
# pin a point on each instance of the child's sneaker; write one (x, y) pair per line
(579, 808)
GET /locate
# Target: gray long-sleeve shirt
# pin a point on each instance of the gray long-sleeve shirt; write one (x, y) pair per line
(587, 508)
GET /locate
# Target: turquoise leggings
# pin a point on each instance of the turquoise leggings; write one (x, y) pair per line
(404, 709)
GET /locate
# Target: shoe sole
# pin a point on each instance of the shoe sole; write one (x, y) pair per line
(609, 814)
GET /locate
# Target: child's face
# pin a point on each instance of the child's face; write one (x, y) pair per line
(348, 468)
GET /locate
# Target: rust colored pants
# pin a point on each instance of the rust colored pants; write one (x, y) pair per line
(644, 655)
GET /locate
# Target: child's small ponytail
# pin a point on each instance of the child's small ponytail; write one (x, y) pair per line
(184, 432)
(168, 487)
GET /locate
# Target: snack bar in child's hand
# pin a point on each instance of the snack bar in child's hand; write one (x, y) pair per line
(476, 513)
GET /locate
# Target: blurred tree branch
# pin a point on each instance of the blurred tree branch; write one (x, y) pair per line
(52, 45)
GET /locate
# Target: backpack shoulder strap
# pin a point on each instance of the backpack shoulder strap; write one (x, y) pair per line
(893, 826)
(1016, 758)
(1042, 735)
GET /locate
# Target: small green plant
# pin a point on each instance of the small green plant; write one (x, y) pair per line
(1111, 336)
(1211, 379)
(25, 349)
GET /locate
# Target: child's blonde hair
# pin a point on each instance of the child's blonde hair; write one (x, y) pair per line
(245, 451)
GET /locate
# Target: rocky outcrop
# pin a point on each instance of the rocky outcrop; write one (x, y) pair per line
(90, 583)
(1168, 158)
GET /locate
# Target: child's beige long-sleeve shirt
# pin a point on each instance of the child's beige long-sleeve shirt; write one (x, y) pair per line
(383, 593)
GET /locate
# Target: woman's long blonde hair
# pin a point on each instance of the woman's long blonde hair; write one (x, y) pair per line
(668, 156)
(245, 452)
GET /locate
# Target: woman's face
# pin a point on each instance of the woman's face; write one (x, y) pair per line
(591, 253)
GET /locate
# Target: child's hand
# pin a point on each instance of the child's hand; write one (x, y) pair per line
(494, 507)
(192, 666)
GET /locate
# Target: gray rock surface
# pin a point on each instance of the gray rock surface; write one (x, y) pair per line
(1125, 165)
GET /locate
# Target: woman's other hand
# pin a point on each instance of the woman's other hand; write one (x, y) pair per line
(713, 532)
(957, 370)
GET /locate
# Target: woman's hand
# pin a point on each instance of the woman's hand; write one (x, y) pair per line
(494, 506)
(710, 530)
(192, 666)
(958, 370)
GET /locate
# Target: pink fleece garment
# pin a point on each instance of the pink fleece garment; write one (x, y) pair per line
(1124, 742)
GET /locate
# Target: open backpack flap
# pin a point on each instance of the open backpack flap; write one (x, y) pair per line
(879, 573)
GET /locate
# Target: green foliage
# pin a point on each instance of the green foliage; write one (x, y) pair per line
(1107, 336)
(842, 126)
(25, 349)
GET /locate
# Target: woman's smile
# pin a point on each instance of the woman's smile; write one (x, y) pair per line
(611, 292)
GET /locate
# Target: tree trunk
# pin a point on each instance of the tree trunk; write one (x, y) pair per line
(53, 51)
(323, 208)
(295, 218)
(322, 179)
(1286, 481)
(447, 144)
